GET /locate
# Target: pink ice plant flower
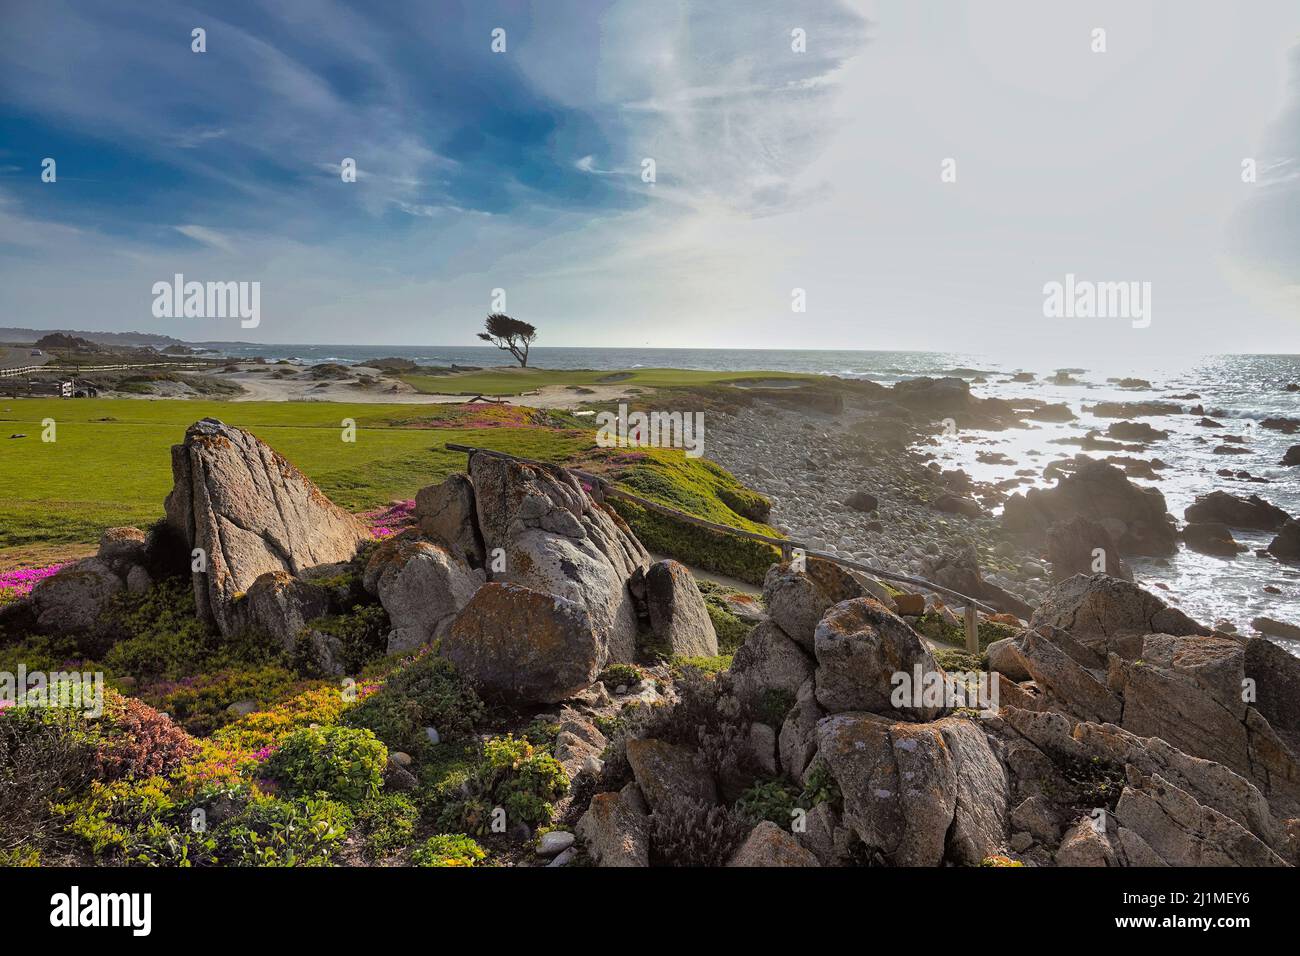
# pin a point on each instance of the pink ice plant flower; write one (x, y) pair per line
(19, 582)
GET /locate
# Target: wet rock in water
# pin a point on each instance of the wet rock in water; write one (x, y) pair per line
(1229, 450)
(421, 586)
(797, 599)
(1287, 426)
(1107, 614)
(1236, 512)
(556, 539)
(1135, 431)
(1136, 517)
(1286, 545)
(679, 619)
(1276, 628)
(1292, 456)
(860, 646)
(250, 511)
(1081, 545)
(447, 516)
(1212, 537)
(1209, 423)
(521, 646)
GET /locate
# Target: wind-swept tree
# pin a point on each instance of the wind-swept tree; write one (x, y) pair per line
(509, 335)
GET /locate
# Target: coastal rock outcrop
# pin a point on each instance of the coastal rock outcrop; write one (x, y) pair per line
(679, 620)
(72, 599)
(1135, 517)
(249, 511)
(1107, 614)
(555, 538)
(1236, 512)
(523, 646)
(797, 599)
(447, 516)
(1081, 545)
(421, 586)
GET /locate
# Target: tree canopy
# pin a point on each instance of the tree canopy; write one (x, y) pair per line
(509, 335)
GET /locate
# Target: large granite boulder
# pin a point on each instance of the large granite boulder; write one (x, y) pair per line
(421, 586)
(447, 515)
(769, 663)
(1135, 517)
(556, 539)
(768, 845)
(250, 511)
(521, 646)
(1108, 614)
(1081, 545)
(1190, 692)
(279, 606)
(917, 794)
(616, 829)
(666, 772)
(796, 599)
(1236, 512)
(679, 621)
(72, 599)
(860, 648)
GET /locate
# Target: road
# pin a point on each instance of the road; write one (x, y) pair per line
(19, 358)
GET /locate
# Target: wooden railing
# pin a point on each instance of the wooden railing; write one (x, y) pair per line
(607, 489)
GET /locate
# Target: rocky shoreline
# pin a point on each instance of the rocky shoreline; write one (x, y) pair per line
(859, 478)
(531, 637)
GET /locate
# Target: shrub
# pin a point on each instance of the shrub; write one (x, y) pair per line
(730, 629)
(200, 704)
(773, 800)
(514, 775)
(134, 740)
(388, 823)
(275, 832)
(425, 693)
(684, 832)
(620, 674)
(45, 757)
(705, 665)
(448, 849)
(821, 787)
(341, 761)
(137, 822)
(361, 631)
(154, 634)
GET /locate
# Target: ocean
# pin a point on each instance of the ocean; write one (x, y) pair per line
(1238, 391)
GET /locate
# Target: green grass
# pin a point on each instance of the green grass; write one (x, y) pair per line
(110, 464)
(516, 381)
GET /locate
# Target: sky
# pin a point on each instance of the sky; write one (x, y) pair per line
(795, 146)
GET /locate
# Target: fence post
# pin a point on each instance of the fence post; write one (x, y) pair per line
(972, 629)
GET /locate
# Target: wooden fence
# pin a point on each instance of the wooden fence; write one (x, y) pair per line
(607, 489)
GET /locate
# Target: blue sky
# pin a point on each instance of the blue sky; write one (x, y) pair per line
(776, 169)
